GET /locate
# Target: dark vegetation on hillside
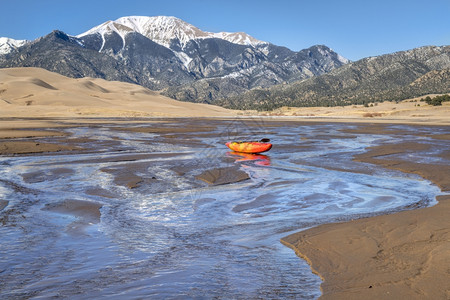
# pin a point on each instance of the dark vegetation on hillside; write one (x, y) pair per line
(436, 101)
(393, 77)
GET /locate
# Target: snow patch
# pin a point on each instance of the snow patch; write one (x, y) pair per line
(79, 42)
(7, 45)
(185, 59)
(108, 27)
(163, 30)
(343, 59)
(240, 38)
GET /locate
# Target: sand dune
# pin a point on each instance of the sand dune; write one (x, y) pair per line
(35, 92)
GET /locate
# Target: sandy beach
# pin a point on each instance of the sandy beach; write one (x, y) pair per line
(398, 256)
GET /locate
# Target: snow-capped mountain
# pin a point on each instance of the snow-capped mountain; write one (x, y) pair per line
(166, 31)
(166, 53)
(7, 45)
(229, 69)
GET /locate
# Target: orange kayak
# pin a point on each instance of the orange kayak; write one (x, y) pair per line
(249, 147)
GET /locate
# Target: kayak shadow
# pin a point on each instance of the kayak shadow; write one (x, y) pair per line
(259, 159)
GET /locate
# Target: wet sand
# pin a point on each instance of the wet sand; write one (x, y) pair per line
(28, 147)
(3, 204)
(13, 133)
(220, 176)
(86, 210)
(399, 256)
(86, 213)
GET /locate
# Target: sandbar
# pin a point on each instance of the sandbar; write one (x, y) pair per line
(225, 175)
(3, 204)
(27, 147)
(86, 212)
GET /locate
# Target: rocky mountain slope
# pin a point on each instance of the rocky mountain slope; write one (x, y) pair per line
(283, 67)
(396, 76)
(168, 53)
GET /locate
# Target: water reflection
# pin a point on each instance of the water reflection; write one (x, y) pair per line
(259, 159)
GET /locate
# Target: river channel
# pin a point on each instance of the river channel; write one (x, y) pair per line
(126, 215)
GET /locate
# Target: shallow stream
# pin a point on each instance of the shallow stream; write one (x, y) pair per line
(162, 233)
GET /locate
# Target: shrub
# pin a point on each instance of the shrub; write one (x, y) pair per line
(436, 100)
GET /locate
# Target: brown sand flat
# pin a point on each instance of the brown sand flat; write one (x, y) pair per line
(442, 136)
(127, 158)
(98, 191)
(126, 175)
(225, 175)
(168, 130)
(28, 147)
(12, 133)
(400, 256)
(135, 175)
(3, 204)
(49, 174)
(86, 212)
(16, 124)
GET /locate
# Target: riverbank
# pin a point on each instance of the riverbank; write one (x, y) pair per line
(402, 255)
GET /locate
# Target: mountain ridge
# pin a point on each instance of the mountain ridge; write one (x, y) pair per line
(165, 52)
(395, 76)
(233, 70)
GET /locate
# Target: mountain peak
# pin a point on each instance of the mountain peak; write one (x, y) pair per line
(7, 45)
(164, 29)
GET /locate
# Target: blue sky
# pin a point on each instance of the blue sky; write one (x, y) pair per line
(353, 28)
